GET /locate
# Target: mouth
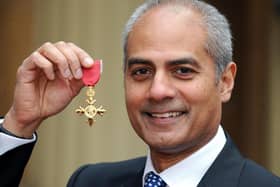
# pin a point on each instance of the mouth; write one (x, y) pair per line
(165, 115)
(166, 119)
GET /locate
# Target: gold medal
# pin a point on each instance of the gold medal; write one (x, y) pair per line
(90, 77)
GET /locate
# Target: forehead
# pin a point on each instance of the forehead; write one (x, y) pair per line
(167, 28)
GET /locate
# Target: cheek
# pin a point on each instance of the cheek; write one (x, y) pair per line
(197, 93)
(133, 104)
(203, 100)
(134, 92)
(133, 96)
(205, 103)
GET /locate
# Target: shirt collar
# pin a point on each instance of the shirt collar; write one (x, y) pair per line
(190, 171)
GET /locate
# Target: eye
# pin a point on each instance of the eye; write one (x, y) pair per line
(184, 72)
(141, 73)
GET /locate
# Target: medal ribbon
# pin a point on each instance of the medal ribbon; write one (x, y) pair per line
(92, 75)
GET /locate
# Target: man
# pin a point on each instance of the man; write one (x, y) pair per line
(178, 71)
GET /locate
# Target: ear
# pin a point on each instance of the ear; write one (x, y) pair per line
(227, 81)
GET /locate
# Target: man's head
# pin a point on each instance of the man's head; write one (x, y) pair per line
(173, 93)
(218, 44)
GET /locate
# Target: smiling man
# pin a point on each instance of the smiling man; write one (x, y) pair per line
(173, 91)
(178, 71)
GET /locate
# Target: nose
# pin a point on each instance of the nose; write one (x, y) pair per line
(161, 87)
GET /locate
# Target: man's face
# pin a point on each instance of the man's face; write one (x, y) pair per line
(172, 97)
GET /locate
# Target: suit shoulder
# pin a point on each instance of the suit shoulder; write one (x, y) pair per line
(102, 173)
(255, 175)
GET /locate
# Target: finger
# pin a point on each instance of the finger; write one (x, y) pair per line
(36, 60)
(49, 51)
(83, 56)
(76, 86)
(72, 58)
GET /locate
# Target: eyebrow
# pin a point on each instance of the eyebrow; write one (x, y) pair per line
(185, 60)
(134, 61)
(179, 61)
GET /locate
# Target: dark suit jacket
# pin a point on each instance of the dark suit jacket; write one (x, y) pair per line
(12, 165)
(230, 169)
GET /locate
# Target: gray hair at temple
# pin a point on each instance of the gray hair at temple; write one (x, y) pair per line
(219, 39)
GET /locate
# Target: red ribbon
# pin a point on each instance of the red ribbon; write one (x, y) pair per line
(92, 75)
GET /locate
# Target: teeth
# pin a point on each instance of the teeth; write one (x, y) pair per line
(167, 115)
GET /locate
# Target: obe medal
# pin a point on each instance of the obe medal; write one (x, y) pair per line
(90, 78)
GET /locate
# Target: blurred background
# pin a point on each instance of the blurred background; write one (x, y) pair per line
(65, 142)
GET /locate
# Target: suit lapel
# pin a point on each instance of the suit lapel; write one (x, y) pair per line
(226, 169)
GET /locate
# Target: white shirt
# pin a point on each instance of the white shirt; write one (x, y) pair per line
(8, 142)
(190, 171)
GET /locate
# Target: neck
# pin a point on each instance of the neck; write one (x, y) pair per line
(164, 159)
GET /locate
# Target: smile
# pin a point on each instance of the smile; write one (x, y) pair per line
(166, 115)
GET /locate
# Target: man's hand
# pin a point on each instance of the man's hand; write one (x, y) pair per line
(46, 83)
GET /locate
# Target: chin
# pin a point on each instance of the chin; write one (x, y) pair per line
(167, 145)
(168, 150)
(164, 145)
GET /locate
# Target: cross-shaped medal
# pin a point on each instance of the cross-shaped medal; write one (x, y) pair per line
(90, 78)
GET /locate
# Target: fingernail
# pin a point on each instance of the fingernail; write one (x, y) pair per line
(88, 61)
(67, 73)
(79, 73)
(101, 66)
